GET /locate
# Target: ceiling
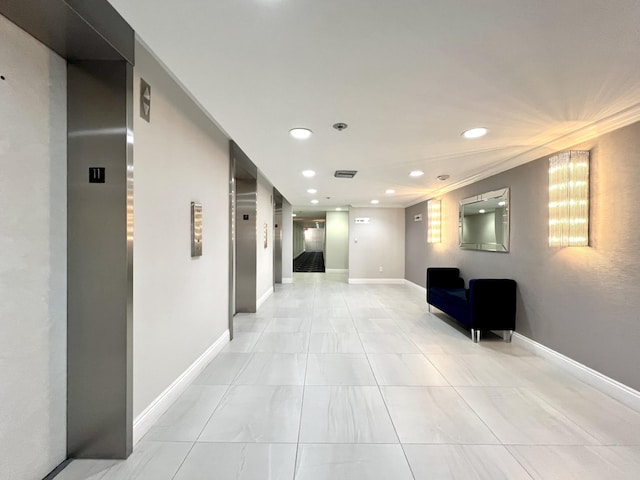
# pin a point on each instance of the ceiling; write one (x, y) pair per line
(407, 76)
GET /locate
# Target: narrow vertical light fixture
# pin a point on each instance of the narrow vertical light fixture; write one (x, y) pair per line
(569, 199)
(433, 221)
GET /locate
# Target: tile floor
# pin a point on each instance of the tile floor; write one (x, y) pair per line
(360, 382)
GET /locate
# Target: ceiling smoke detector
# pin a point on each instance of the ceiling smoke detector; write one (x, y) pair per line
(442, 178)
(345, 173)
(340, 126)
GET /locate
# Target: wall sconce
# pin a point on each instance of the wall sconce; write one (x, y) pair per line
(433, 221)
(569, 199)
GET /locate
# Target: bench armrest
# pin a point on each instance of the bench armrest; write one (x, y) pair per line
(493, 303)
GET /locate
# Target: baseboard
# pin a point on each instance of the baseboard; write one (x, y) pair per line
(287, 280)
(621, 392)
(377, 281)
(336, 270)
(150, 415)
(263, 298)
(416, 286)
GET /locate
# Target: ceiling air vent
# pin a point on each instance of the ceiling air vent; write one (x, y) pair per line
(345, 173)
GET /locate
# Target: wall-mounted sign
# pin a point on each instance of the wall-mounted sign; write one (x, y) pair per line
(417, 218)
(363, 220)
(145, 100)
(196, 229)
(265, 233)
(96, 174)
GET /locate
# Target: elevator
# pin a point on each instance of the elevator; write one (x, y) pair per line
(243, 204)
(277, 236)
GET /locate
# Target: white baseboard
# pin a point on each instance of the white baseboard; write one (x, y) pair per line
(150, 415)
(377, 281)
(287, 280)
(263, 298)
(621, 392)
(336, 270)
(416, 286)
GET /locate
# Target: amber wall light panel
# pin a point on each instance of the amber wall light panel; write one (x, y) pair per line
(569, 199)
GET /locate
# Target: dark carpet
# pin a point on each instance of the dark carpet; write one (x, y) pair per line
(309, 262)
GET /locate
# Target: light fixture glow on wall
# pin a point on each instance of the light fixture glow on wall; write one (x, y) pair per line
(433, 221)
(569, 199)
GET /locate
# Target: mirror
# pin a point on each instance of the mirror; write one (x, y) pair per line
(484, 222)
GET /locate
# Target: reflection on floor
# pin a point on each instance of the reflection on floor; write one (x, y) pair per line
(360, 382)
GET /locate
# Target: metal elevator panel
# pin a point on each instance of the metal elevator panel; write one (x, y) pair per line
(100, 260)
(246, 238)
(277, 237)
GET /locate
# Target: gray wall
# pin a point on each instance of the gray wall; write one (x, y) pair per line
(33, 256)
(337, 243)
(180, 302)
(379, 243)
(581, 302)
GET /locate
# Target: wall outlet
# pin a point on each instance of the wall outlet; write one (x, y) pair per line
(381, 269)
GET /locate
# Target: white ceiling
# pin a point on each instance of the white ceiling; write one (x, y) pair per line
(408, 76)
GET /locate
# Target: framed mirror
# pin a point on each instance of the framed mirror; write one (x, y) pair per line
(484, 222)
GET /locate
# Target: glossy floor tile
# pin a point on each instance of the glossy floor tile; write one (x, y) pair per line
(352, 462)
(273, 369)
(457, 462)
(266, 414)
(283, 343)
(186, 418)
(239, 461)
(335, 343)
(345, 415)
(339, 369)
(223, 369)
(405, 369)
(388, 343)
(518, 417)
(360, 382)
(434, 415)
(579, 462)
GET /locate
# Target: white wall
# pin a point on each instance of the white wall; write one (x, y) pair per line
(298, 239)
(379, 243)
(33, 256)
(180, 303)
(337, 243)
(264, 256)
(314, 239)
(287, 242)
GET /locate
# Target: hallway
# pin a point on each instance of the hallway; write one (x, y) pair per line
(360, 382)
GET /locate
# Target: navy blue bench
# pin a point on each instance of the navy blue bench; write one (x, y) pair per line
(488, 303)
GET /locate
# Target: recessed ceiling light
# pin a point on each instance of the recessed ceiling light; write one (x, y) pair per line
(416, 173)
(375, 202)
(300, 133)
(314, 201)
(482, 210)
(338, 209)
(502, 204)
(475, 132)
(312, 190)
(389, 191)
(294, 215)
(308, 173)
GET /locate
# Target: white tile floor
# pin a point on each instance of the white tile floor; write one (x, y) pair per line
(360, 382)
